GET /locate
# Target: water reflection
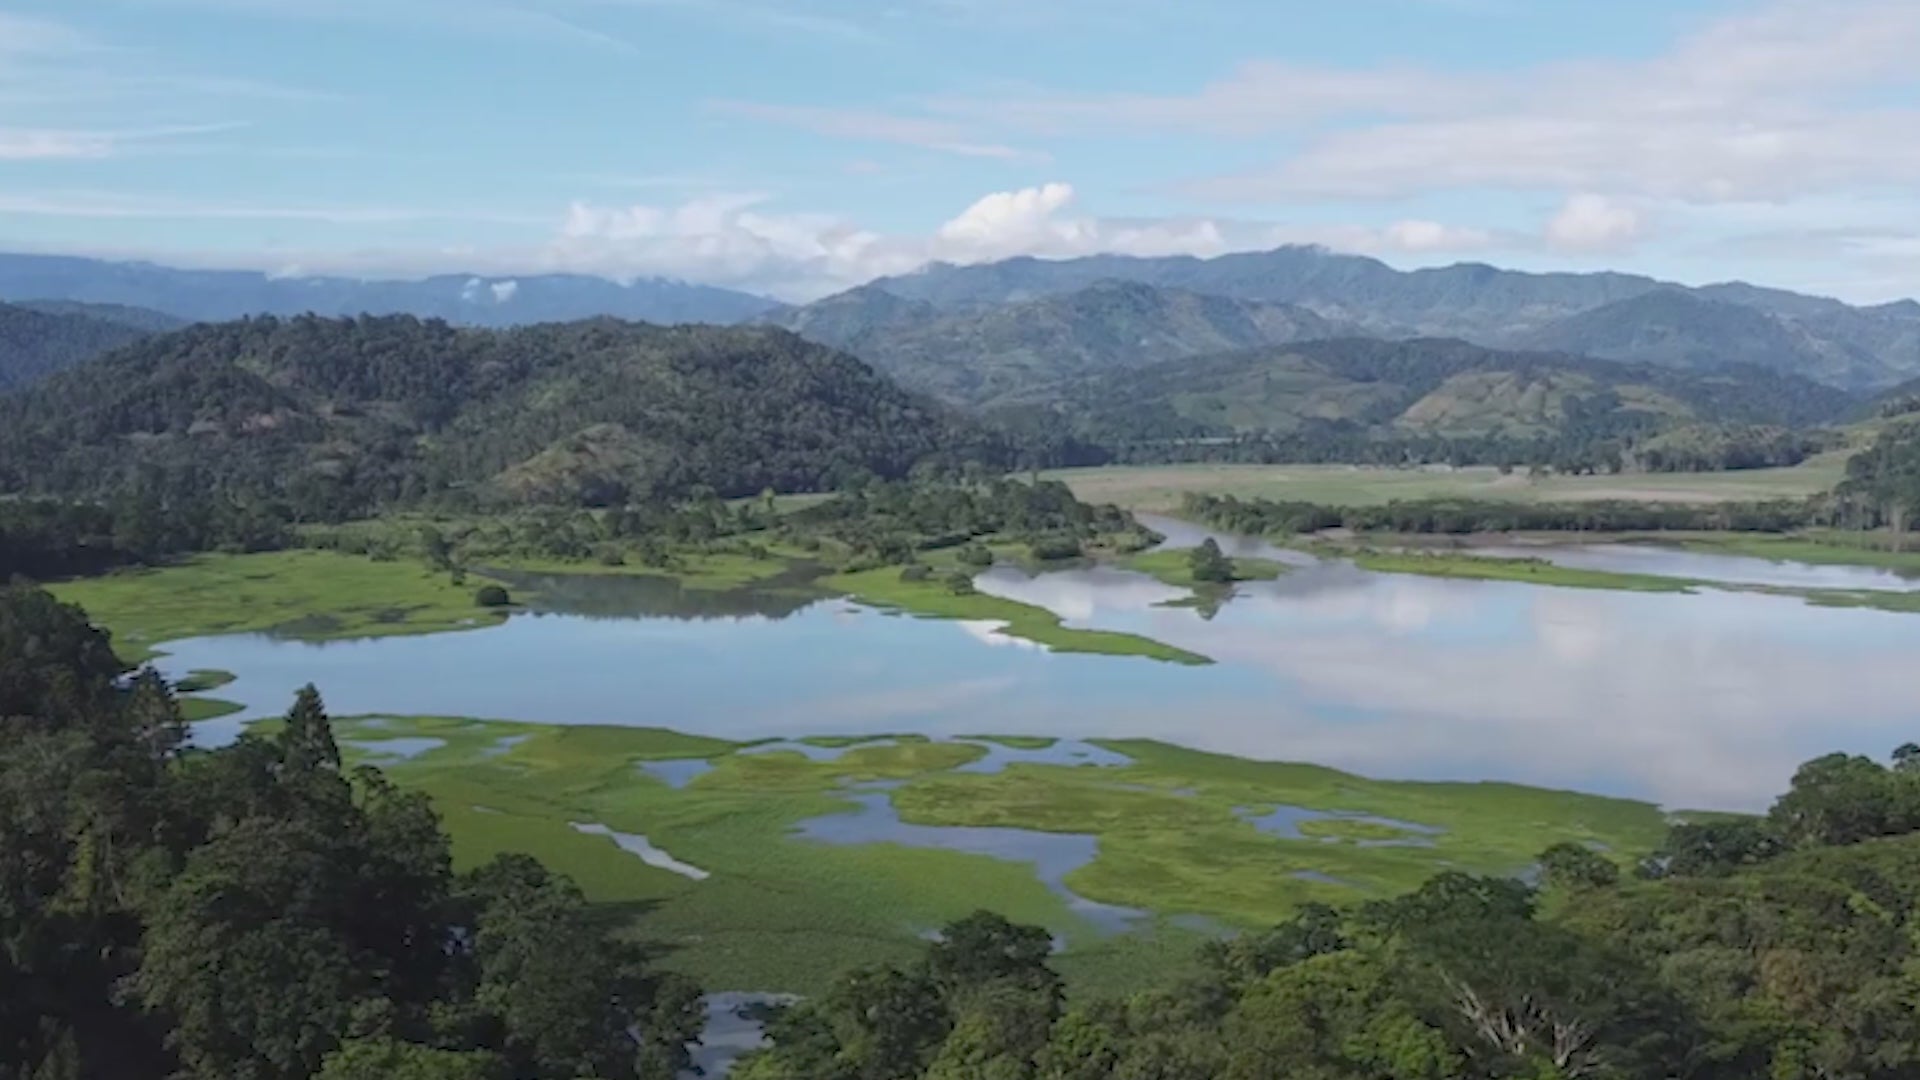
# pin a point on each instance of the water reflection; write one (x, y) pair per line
(1691, 700)
(1702, 566)
(643, 849)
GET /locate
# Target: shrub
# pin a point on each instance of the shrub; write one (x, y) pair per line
(491, 596)
(977, 555)
(916, 572)
(1053, 548)
(960, 583)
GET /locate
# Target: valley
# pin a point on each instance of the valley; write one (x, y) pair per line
(1149, 619)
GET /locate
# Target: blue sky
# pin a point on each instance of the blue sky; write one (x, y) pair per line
(801, 146)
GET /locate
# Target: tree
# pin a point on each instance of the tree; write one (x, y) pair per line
(1209, 565)
(390, 1059)
(1842, 799)
(307, 742)
(1576, 866)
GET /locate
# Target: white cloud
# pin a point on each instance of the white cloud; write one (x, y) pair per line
(1594, 223)
(504, 291)
(1009, 222)
(41, 144)
(1434, 236)
(734, 240)
(30, 145)
(25, 35)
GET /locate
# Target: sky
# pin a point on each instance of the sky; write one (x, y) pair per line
(799, 147)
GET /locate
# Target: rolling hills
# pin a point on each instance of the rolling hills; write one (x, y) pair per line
(1362, 389)
(342, 417)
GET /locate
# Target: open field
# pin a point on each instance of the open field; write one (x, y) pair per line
(1158, 488)
(783, 912)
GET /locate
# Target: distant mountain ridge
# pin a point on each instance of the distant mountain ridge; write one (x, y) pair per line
(1000, 353)
(986, 332)
(1857, 348)
(37, 340)
(493, 301)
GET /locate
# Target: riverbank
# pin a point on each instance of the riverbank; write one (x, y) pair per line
(1160, 488)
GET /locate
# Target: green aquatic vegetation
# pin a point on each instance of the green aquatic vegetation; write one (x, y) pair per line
(194, 708)
(782, 912)
(1016, 742)
(311, 595)
(1528, 571)
(203, 679)
(932, 599)
(1820, 548)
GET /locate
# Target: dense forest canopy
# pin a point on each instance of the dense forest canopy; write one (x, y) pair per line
(259, 912)
(1783, 947)
(1377, 402)
(340, 418)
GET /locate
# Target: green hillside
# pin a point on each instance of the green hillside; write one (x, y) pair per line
(1362, 390)
(1003, 353)
(348, 416)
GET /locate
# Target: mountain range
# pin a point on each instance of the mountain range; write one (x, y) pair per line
(1009, 352)
(215, 295)
(1001, 333)
(1618, 316)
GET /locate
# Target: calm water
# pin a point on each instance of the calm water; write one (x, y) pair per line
(1703, 700)
(1731, 569)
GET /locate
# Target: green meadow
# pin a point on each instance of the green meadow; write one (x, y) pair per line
(312, 595)
(1488, 568)
(780, 912)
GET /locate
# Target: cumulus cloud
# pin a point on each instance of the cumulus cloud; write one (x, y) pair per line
(1593, 223)
(504, 291)
(736, 240)
(1434, 236)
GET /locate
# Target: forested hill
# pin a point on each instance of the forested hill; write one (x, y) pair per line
(342, 417)
(1005, 352)
(1348, 393)
(34, 342)
(1684, 330)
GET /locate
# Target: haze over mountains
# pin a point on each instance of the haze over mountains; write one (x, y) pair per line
(215, 295)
